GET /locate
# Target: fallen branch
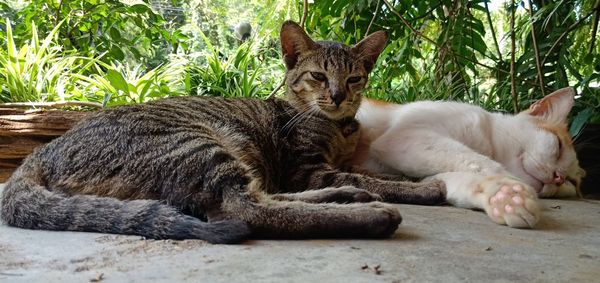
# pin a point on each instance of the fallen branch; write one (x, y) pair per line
(59, 104)
(22, 131)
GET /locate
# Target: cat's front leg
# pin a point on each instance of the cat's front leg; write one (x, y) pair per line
(345, 194)
(324, 176)
(382, 176)
(505, 199)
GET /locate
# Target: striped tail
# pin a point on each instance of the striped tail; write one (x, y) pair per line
(26, 203)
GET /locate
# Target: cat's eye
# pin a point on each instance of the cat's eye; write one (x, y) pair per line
(353, 80)
(318, 76)
(560, 147)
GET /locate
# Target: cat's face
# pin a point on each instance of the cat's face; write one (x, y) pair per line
(548, 160)
(327, 77)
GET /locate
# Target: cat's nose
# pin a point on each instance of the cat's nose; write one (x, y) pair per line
(338, 97)
(559, 178)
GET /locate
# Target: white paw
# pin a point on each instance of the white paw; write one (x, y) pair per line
(510, 202)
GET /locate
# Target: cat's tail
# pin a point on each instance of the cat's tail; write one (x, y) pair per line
(27, 203)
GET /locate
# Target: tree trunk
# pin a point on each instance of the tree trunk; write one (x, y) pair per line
(21, 131)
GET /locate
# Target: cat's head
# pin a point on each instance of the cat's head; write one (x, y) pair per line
(548, 160)
(327, 77)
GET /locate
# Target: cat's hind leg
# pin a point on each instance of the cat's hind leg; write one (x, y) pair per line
(421, 153)
(269, 218)
(243, 196)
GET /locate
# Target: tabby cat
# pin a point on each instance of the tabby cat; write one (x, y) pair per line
(222, 169)
(491, 161)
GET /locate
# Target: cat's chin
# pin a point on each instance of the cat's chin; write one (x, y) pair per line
(547, 190)
(335, 113)
(340, 115)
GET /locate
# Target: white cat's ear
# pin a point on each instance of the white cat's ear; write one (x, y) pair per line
(294, 41)
(370, 47)
(555, 107)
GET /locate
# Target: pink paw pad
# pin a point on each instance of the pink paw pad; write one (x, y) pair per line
(496, 212)
(507, 200)
(517, 200)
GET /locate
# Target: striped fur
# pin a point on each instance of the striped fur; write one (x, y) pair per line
(218, 169)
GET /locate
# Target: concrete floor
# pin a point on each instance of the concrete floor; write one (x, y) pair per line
(434, 244)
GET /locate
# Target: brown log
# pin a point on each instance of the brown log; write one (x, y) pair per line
(21, 131)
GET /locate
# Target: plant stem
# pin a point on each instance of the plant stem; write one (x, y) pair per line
(570, 29)
(304, 14)
(595, 28)
(536, 50)
(513, 83)
(272, 94)
(489, 18)
(57, 15)
(448, 50)
(375, 16)
(407, 24)
(302, 23)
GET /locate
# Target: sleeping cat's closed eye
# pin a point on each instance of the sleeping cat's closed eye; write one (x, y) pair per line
(560, 148)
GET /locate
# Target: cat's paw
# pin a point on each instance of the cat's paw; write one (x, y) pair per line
(383, 220)
(510, 202)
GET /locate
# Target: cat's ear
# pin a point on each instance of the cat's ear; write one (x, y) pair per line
(294, 41)
(370, 47)
(555, 107)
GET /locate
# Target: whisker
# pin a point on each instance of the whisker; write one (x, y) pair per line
(296, 118)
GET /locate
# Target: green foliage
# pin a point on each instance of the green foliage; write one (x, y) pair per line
(116, 53)
(93, 27)
(456, 50)
(96, 54)
(238, 74)
(37, 71)
(124, 84)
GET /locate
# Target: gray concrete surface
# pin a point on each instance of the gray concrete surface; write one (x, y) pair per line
(434, 244)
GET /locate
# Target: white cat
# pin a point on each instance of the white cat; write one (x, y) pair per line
(496, 162)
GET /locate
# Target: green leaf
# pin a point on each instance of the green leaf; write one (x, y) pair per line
(117, 80)
(106, 99)
(579, 121)
(115, 34)
(140, 8)
(116, 53)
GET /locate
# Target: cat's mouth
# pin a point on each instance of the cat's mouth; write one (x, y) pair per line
(547, 189)
(537, 184)
(337, 112)
(534, 181)
(334, 112)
